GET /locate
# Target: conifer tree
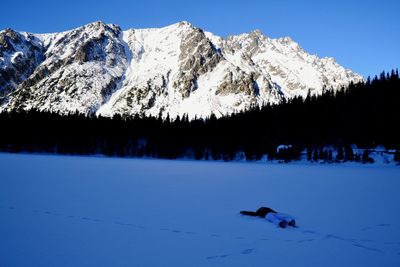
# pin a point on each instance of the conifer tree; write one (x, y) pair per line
(397, 156)
(348, 152)
(357, 157)
(366, 158)
(330, 156)
(315, 155)
(340, 155)
(309, 153)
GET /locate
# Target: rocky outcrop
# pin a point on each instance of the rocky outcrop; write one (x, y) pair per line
(198, 56)
(137, 100)
(240, 83)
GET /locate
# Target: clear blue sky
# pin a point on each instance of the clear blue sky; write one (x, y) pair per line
(362, 35)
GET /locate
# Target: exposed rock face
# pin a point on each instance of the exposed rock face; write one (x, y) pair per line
(240, 83)
(20, 54)
(198, 56)
(175, 70)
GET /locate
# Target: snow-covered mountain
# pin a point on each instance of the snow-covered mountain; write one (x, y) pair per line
(179, 69)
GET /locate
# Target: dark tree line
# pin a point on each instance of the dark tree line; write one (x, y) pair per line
(366, 114)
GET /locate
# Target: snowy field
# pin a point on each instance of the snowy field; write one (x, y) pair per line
(87, 211)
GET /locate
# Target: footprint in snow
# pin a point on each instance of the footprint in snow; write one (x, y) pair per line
(118, 223)
(127, 224)
(367, 240)
(378, 225)
(90, 219)
(247, 251)
(217, 256)
(392, 243)
(170, 230)
(305, 240)
(329, 236)
(190, 233)
(368, 248)
(310, 232)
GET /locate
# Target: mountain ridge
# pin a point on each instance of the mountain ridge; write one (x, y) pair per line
(178, 69)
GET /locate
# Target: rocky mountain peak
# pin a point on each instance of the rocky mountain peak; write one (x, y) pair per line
(7, 35)
(100, 28)
(256, 34)
(185, 23)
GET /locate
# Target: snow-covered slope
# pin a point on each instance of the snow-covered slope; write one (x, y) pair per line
(175, 70)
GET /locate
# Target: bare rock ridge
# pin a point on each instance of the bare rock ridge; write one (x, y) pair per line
(176, 70)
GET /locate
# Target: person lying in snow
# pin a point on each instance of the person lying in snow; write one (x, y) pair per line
(271, 216)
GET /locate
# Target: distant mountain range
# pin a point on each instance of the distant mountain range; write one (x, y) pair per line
(176, 70)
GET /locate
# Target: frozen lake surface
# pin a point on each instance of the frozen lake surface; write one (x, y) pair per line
(88, 211)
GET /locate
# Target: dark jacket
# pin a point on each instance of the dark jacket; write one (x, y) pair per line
(261, 212)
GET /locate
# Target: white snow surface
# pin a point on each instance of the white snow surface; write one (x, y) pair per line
(88, 211)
